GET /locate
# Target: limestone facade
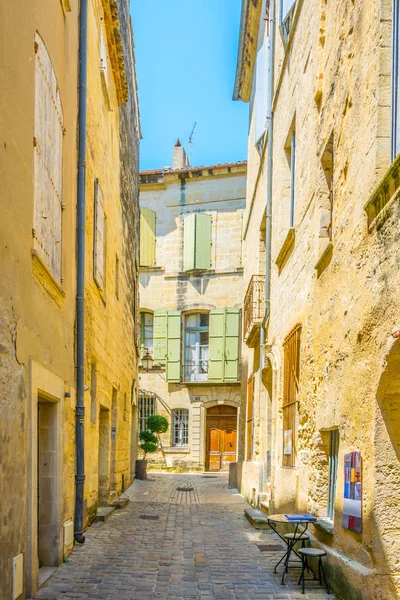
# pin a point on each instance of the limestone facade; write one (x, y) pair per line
(334, 276)
(195, 297)
(38, 166)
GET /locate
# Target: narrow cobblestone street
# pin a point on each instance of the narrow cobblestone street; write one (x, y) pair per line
(171, 544)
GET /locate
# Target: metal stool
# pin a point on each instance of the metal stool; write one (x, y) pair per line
(312, 553)
(291, 539)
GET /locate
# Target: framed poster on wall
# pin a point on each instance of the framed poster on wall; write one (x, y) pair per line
(352, 515)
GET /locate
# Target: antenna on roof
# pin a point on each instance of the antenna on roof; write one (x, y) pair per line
(191, 142)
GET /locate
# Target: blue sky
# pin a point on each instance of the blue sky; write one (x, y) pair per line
(186, 60)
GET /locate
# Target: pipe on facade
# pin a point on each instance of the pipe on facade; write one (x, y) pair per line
(80, 291)
(269, 182)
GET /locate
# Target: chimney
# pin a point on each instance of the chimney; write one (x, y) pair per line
(179, 159)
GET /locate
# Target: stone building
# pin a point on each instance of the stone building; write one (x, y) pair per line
(190, 297)
(39, 42)
(321, 366)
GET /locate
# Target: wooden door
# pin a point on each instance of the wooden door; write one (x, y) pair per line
(221, 437)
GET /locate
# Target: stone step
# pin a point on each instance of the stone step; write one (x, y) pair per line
(120, 502)
(103, 512)
(257, 518)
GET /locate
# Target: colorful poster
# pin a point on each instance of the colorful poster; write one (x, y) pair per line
(352, 515)
(287, 441)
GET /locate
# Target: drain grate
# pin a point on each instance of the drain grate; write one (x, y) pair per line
(149, 517)
(209, 476)
(185, 489)
(269, 547)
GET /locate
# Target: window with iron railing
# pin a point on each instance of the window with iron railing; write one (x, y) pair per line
(180, 427)
(147, 407)
(254, 303)
(291, 366)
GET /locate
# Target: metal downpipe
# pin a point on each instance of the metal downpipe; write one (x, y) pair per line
(80, 291)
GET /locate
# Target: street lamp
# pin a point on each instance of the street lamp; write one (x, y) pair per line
(147, 361)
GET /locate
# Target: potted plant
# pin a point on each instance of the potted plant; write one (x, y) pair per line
(149, 441)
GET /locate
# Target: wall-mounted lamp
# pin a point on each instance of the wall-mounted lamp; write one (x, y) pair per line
(147, 361)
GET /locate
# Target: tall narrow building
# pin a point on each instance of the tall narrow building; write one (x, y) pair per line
(191, 277)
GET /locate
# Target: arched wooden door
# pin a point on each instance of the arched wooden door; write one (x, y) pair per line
(221, 437)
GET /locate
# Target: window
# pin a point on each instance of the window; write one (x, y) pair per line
(99, 270)
(249, 418)
(291, 366)
(146, 332)
(291, 156)
(147, 407)
(395, 136)
(147, 237)
(286, 17)
(197, 242)
(332, 471)
(48, 160)
(196, 347)
(327, 208)
(180, 427)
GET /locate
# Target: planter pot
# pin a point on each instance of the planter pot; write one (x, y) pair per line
(141, 469)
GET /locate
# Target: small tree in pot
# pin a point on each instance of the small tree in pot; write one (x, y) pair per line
(149, 440)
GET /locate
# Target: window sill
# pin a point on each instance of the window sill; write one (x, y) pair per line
(177, 450)
(205, 383)
(325, 525)
(204, 273)
(387, 192)
(324, 260)
(47, 279)
(287, 249)
(152, 269)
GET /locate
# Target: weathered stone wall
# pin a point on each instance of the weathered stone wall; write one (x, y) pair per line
(220, 192)
(334, 77)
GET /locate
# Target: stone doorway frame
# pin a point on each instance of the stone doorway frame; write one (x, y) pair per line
(45, 385)
(203, 425)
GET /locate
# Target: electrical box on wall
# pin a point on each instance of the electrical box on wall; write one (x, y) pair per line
(18, 576)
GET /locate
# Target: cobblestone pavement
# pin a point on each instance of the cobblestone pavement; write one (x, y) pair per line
(199, 545)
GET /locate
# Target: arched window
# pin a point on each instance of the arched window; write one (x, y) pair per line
(180, 427)
(196, 347)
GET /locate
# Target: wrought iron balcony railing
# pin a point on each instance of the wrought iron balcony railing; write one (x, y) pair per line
(195, 372)
(253, 307)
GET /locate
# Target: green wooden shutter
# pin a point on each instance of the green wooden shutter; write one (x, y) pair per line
(232, 329)
(160, 336)
(216, 345)
(203, 241)
(173, 373)
(189, 227)
(147, 237)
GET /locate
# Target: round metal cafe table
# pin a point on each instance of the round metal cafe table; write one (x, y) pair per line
(301, 526)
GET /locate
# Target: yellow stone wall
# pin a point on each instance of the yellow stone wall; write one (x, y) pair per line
(333, 75)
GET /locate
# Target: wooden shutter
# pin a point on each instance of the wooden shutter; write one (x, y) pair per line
(173, 372)
(216, 345)
(147, 237)
(48, 147)
(232, 326)
(99, 266)
(203, 241)
(160, 335)
(189, 229)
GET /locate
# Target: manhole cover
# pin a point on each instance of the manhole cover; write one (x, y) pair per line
(209, 476)
(185, 489)
(149, 517)
(269, 547)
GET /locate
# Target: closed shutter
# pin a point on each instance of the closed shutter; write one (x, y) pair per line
(216, 345)
(160, 336)
(203, 241)
(99, 267)
(189, 229)
(232, 326)
(147, 237)
(173, 372)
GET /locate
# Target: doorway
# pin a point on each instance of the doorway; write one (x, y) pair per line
(47, 484)
(104, 454)
(221, 437)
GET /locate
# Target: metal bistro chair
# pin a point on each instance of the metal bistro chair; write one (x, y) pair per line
(291, 539)
(307, 553)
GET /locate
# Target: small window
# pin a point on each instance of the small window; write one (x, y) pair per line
(291, 365)
(327, 208)
(196, 347)
(147, 407)
(290, 149)
(286, 17)
(332, 471)
(146, 333)
(99, 271)
(249, 418)
(180, 427)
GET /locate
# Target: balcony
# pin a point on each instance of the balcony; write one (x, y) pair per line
(253, 309)
(193, 373)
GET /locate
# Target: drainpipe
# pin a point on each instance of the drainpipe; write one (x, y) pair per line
(268, 205)
(80, 301)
